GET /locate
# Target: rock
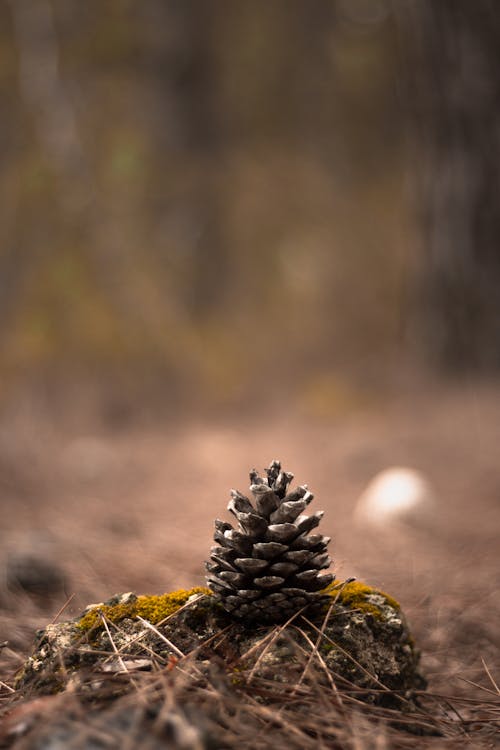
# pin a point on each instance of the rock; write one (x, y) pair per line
(30, 564)
(177, 671)
(394, 496)
(34, 574)
(361, 634)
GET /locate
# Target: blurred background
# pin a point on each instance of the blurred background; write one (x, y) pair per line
(204, 202)
(233, 230)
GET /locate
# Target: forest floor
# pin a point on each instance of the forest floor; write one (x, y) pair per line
(133, 510)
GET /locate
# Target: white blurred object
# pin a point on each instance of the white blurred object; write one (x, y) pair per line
(396, 495)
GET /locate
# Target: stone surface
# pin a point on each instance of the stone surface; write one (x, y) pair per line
(360, 638)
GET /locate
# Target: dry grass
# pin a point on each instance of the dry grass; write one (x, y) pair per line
(208, 704)
(134, 511)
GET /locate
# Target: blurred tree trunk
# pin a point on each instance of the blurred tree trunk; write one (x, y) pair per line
(452, 50)
(188, 137)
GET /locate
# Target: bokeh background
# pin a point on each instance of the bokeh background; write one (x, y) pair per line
(207, 202)
(233, 230)
(207, 198)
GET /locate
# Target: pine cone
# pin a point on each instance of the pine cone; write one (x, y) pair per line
(269, 567)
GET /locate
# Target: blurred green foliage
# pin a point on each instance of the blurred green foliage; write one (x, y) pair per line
(210, 194)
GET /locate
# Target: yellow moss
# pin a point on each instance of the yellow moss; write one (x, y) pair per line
(355, 596)
(152, 608)
(156, 607)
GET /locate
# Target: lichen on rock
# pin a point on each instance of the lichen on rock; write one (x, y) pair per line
(357, 595)
(360, 633)
(153, 608)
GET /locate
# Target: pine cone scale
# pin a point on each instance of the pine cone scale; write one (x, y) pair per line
(265, 502)
(268, 550)
(251, 565)
(288, 511)
(269, 582)
(282, 532)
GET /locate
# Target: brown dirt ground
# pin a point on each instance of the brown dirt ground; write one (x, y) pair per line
(133, 510)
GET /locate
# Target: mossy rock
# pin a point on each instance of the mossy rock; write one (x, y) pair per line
(358, 638)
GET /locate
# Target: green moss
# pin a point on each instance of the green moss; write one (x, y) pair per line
(357, 595)
(354, 595)
(327, 647)
(152, 608)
